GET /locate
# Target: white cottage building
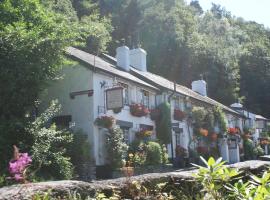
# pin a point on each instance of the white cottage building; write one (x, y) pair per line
(183, 98)
(82, 93)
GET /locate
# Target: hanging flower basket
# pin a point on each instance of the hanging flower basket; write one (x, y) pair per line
(105, 121)
(138, 110)
(264, 142)
(143, 134)
(154, 114)
(232, 131)
(214, 137)
(179, 115)
(203, 132)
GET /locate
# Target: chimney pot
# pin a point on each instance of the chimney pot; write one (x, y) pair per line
(199, 87)
(123, 58)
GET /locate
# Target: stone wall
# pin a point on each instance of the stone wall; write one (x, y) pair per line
(61, 188)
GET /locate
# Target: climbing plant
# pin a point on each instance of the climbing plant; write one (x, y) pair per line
(163, 123)
(220, 119)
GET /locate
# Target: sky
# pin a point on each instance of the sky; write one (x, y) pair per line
(251, 10)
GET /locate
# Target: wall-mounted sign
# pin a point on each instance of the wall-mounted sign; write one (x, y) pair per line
(114, 98)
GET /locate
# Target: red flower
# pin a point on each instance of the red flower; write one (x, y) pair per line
(232, 131)
(138, 110)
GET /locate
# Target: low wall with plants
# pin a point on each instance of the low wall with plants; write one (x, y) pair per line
(215, 180)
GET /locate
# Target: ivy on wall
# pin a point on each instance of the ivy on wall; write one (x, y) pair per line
(163, 123)
(220, 119)
(208, 118)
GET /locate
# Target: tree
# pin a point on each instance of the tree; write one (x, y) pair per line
(33, 39)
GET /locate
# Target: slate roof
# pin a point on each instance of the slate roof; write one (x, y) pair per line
(160, 81)
(98, 63)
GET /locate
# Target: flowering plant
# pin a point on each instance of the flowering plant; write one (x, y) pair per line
(138, 110)
(264, 142)
(232, 131)
(179, 114)
(203, 132)
(144, 133)
(18, 165)
(105, 121)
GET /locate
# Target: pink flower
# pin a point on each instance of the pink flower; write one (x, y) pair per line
(17, 166)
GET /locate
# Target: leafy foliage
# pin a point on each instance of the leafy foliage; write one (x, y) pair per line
(116, 148)
(214, 177)
(79, 152)
(153, 153)
(49, 146)
(163, 123)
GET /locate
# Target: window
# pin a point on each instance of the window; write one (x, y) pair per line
(126, 134)
(177, 103)
(62, 122)
(145, 98)
(178, 132)
(125, 93)
(177, 138)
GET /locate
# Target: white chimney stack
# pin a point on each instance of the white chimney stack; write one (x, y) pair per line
(123, 58)
(138, 59)
(199, 87)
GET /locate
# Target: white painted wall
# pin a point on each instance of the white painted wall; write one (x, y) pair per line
(124, 115)
(74, 78)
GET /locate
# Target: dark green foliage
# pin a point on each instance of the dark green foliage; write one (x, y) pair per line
(33, 37)
(163, 124)
(182, 42)
(153, 153)
(220, 119)
(32, 40)
(79, 152)
(49, 145)
(248, 149)
(116, 148)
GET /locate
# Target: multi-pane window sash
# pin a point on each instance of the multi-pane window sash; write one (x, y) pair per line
(145, 98)
(125, 93)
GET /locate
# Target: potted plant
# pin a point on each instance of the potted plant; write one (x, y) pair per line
(178, 114)
(138, 110)
(105, 121)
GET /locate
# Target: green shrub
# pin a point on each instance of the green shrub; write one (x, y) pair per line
(116, 148)
(79, 152)
(49, 146)
(258, 151)
(153, 153)
(165, 156)
(163, 123)
(248, 149)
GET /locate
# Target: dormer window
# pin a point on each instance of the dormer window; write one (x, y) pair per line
(125, 93)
